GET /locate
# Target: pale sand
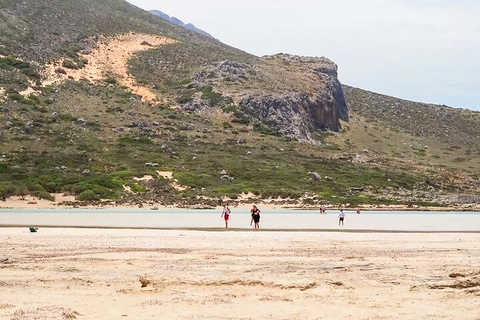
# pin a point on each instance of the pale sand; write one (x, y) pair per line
(36, 203)
(33, 202)
(94, 274)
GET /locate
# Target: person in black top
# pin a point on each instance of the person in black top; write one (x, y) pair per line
(255, 216)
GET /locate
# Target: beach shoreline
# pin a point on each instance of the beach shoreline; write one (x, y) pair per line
(68, 201)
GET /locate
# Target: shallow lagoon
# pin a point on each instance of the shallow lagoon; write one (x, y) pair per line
(278, 219)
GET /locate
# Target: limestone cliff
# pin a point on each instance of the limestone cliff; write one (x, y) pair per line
(292, 95)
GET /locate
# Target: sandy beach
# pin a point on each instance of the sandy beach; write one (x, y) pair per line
(66, 273)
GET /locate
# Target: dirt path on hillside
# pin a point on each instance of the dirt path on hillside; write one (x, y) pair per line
(110, 56)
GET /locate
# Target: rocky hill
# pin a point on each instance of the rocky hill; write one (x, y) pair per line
(106, 101)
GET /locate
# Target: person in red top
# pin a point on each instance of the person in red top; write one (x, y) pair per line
(226, 214)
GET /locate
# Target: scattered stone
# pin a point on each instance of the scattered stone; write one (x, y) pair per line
(80, 122)
(29, 125)
(226, 177)
(456, 275)
(151, 164)
(166, 149)
(357, 188)
(316, 176)
(144, 281)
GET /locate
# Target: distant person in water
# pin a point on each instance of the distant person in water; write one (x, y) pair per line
(255, 216)
(322, 210)
(358, 210)
(226, 214)
(341, 217)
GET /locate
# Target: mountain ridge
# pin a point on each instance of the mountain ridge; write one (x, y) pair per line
(179, 22)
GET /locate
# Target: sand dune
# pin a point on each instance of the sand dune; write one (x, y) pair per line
(111, 56)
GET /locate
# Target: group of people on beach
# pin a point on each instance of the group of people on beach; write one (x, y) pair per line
(341, 215)
(255, 214)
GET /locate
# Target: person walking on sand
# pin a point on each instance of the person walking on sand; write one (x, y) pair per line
(341, 217)
(226, 214)
(255, 216)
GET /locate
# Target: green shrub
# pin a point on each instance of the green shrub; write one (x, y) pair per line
(8, 190)
(82, 62)
(34, 187)
(15, 96)
(208, 94)
(111, 80)
(43, 195)
(137, 188)
(226, 125)
(230, 108)
(266, 130)
(10, 62)
(71, 49)
(88, 195)
(34, 99)
(194, 180)
(69, 64)
(22, 191)
(185, 96)
(29, 72)
(240, 117)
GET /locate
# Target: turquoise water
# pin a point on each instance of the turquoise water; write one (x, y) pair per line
(240, 218)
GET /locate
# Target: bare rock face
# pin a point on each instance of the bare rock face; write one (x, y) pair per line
(297, 113)
(289, 94)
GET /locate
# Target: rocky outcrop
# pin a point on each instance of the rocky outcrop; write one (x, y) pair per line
(291, 95)
(297, 114)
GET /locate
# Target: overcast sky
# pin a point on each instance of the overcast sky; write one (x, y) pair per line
(421, 50)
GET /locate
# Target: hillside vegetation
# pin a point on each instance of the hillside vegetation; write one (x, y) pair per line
(94, 104)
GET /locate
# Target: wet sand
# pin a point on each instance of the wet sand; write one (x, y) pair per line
(94, 274)
(271, 219)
